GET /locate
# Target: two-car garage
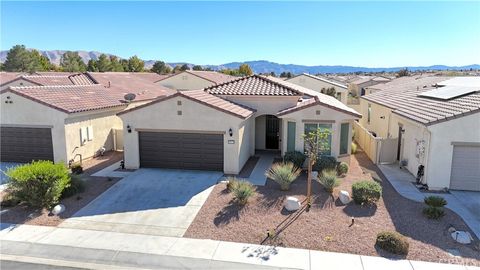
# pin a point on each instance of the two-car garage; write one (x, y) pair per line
(24, 144)
(180, 150)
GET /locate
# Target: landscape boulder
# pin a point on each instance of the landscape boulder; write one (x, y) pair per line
(314, 175)
(344, 197)
(58, 209)
(462, 237)
(292, 204)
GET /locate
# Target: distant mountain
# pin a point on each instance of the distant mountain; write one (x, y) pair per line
(260, 66)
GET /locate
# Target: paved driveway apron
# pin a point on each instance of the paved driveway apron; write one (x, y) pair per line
(149, 201)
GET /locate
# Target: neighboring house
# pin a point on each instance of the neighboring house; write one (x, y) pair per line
(67, 123)
(194, 80)
(436, 123)
(358, 85)
(11, 79)
(220, 127)
(317, 84)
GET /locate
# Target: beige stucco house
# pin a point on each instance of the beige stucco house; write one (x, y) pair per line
(194, 80)
(317, 83)
(67, 123)
(221, 126)
(436, 123)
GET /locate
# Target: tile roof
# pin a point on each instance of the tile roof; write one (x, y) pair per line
(207, 99)
(212, 76)
(254, 85)
(317, 100)
(70, 98)
(402, 96)
(327, 80)
(6, 77)
(45, 78)
(123, 83)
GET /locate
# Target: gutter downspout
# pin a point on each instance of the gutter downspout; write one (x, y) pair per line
(427, 154)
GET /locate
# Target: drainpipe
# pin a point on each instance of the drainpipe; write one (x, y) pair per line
(427, 153)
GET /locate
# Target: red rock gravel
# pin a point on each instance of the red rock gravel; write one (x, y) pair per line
(327, 226)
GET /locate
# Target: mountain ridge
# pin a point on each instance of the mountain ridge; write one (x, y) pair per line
(260, 66)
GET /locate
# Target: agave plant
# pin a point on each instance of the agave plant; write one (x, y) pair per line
(284, 174)
(328, 179)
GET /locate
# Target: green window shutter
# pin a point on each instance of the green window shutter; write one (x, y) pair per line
(291, 136)
(344, 138)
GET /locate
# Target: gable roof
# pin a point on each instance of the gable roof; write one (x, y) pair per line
(69, 98)
(330, 81)
(211, 76)
(206, 99)
(254, 85)
(402, 95)
(49, 79)
(307, 103)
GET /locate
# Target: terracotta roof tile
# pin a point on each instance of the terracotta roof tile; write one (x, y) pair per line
(254, 85)
(402, 95)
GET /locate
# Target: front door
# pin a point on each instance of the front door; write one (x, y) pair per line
(399, 146)
(272, 132)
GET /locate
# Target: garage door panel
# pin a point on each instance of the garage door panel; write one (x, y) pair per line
(19, 144)
(465, 168)
(181, 150)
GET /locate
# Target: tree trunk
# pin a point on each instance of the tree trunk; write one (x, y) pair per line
(309, 182)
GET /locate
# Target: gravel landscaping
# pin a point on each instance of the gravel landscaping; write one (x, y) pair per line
(328, 224)
(21, 214)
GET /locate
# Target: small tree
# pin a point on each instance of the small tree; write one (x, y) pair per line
(103, 63)
(245, 70)
(197, 67)
(184, 67)
(316, 142)
(329, 91)
(72, 62)
(402, 73)
(135, 64)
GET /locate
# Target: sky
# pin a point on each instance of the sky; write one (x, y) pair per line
(367, 34)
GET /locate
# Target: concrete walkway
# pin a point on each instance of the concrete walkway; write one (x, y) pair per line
(148, 251)
(402, 181)
(110, 171)
(257, 177)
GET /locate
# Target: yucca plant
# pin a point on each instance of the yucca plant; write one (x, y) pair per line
(284, 174)
(328, 179)
(242, 191)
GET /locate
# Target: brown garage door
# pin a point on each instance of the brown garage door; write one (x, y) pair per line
(193, 151)
(20, 144)
(465, 168)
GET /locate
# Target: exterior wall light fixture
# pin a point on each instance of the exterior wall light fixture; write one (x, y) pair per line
(230, 132)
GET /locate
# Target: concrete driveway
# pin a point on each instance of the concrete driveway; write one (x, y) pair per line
(149, 201)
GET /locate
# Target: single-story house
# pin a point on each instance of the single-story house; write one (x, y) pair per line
(194, 80)
(318, 84)
(359, 85)
(436, 121)
(67, 123)
(221, 126)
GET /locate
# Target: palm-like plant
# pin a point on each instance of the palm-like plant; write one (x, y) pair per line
(284, 174)
(328, 179)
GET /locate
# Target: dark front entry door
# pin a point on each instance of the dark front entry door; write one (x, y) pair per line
(399, 146)
(272, 129)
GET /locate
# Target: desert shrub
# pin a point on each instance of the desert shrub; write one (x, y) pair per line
(76, 168)
(243, 191)
(325, 163)
(9, 200)
(39, 184)
(435, 201)
(232, 182)
(342, 168)
(354, 148)
(77, 185)
(328, 179)
(433, 212)
(296, 157)
(366, 192)
(283, 174)
(392, 242)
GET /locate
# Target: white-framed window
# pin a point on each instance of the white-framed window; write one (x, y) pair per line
(86, 134)
(312, 127)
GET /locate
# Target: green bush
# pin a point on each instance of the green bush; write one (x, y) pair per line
(328, 179)
(366, 192)
(243, 191)
(325, 163)
(39, 184)
(296, 157)
(433, 212)
(283, 174)
(354, 148)
(77, 185)
(392, 242)
(342, 168)
(9, 200)
(435, 201)
(232, 183)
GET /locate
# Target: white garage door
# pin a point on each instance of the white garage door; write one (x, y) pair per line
(465, 168)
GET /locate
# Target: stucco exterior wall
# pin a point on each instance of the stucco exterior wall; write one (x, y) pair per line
(380, 119)
(185, 81)
(265, 104)
(317, 85)
(462, 129)
(309, 115)
(24, 112)
(260, 132)
(245, 143)
(195, 117)
(103, 125)
(19, 82)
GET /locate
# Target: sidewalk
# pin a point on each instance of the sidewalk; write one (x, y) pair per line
(402, 180)
(257, 177)
(147, 251)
